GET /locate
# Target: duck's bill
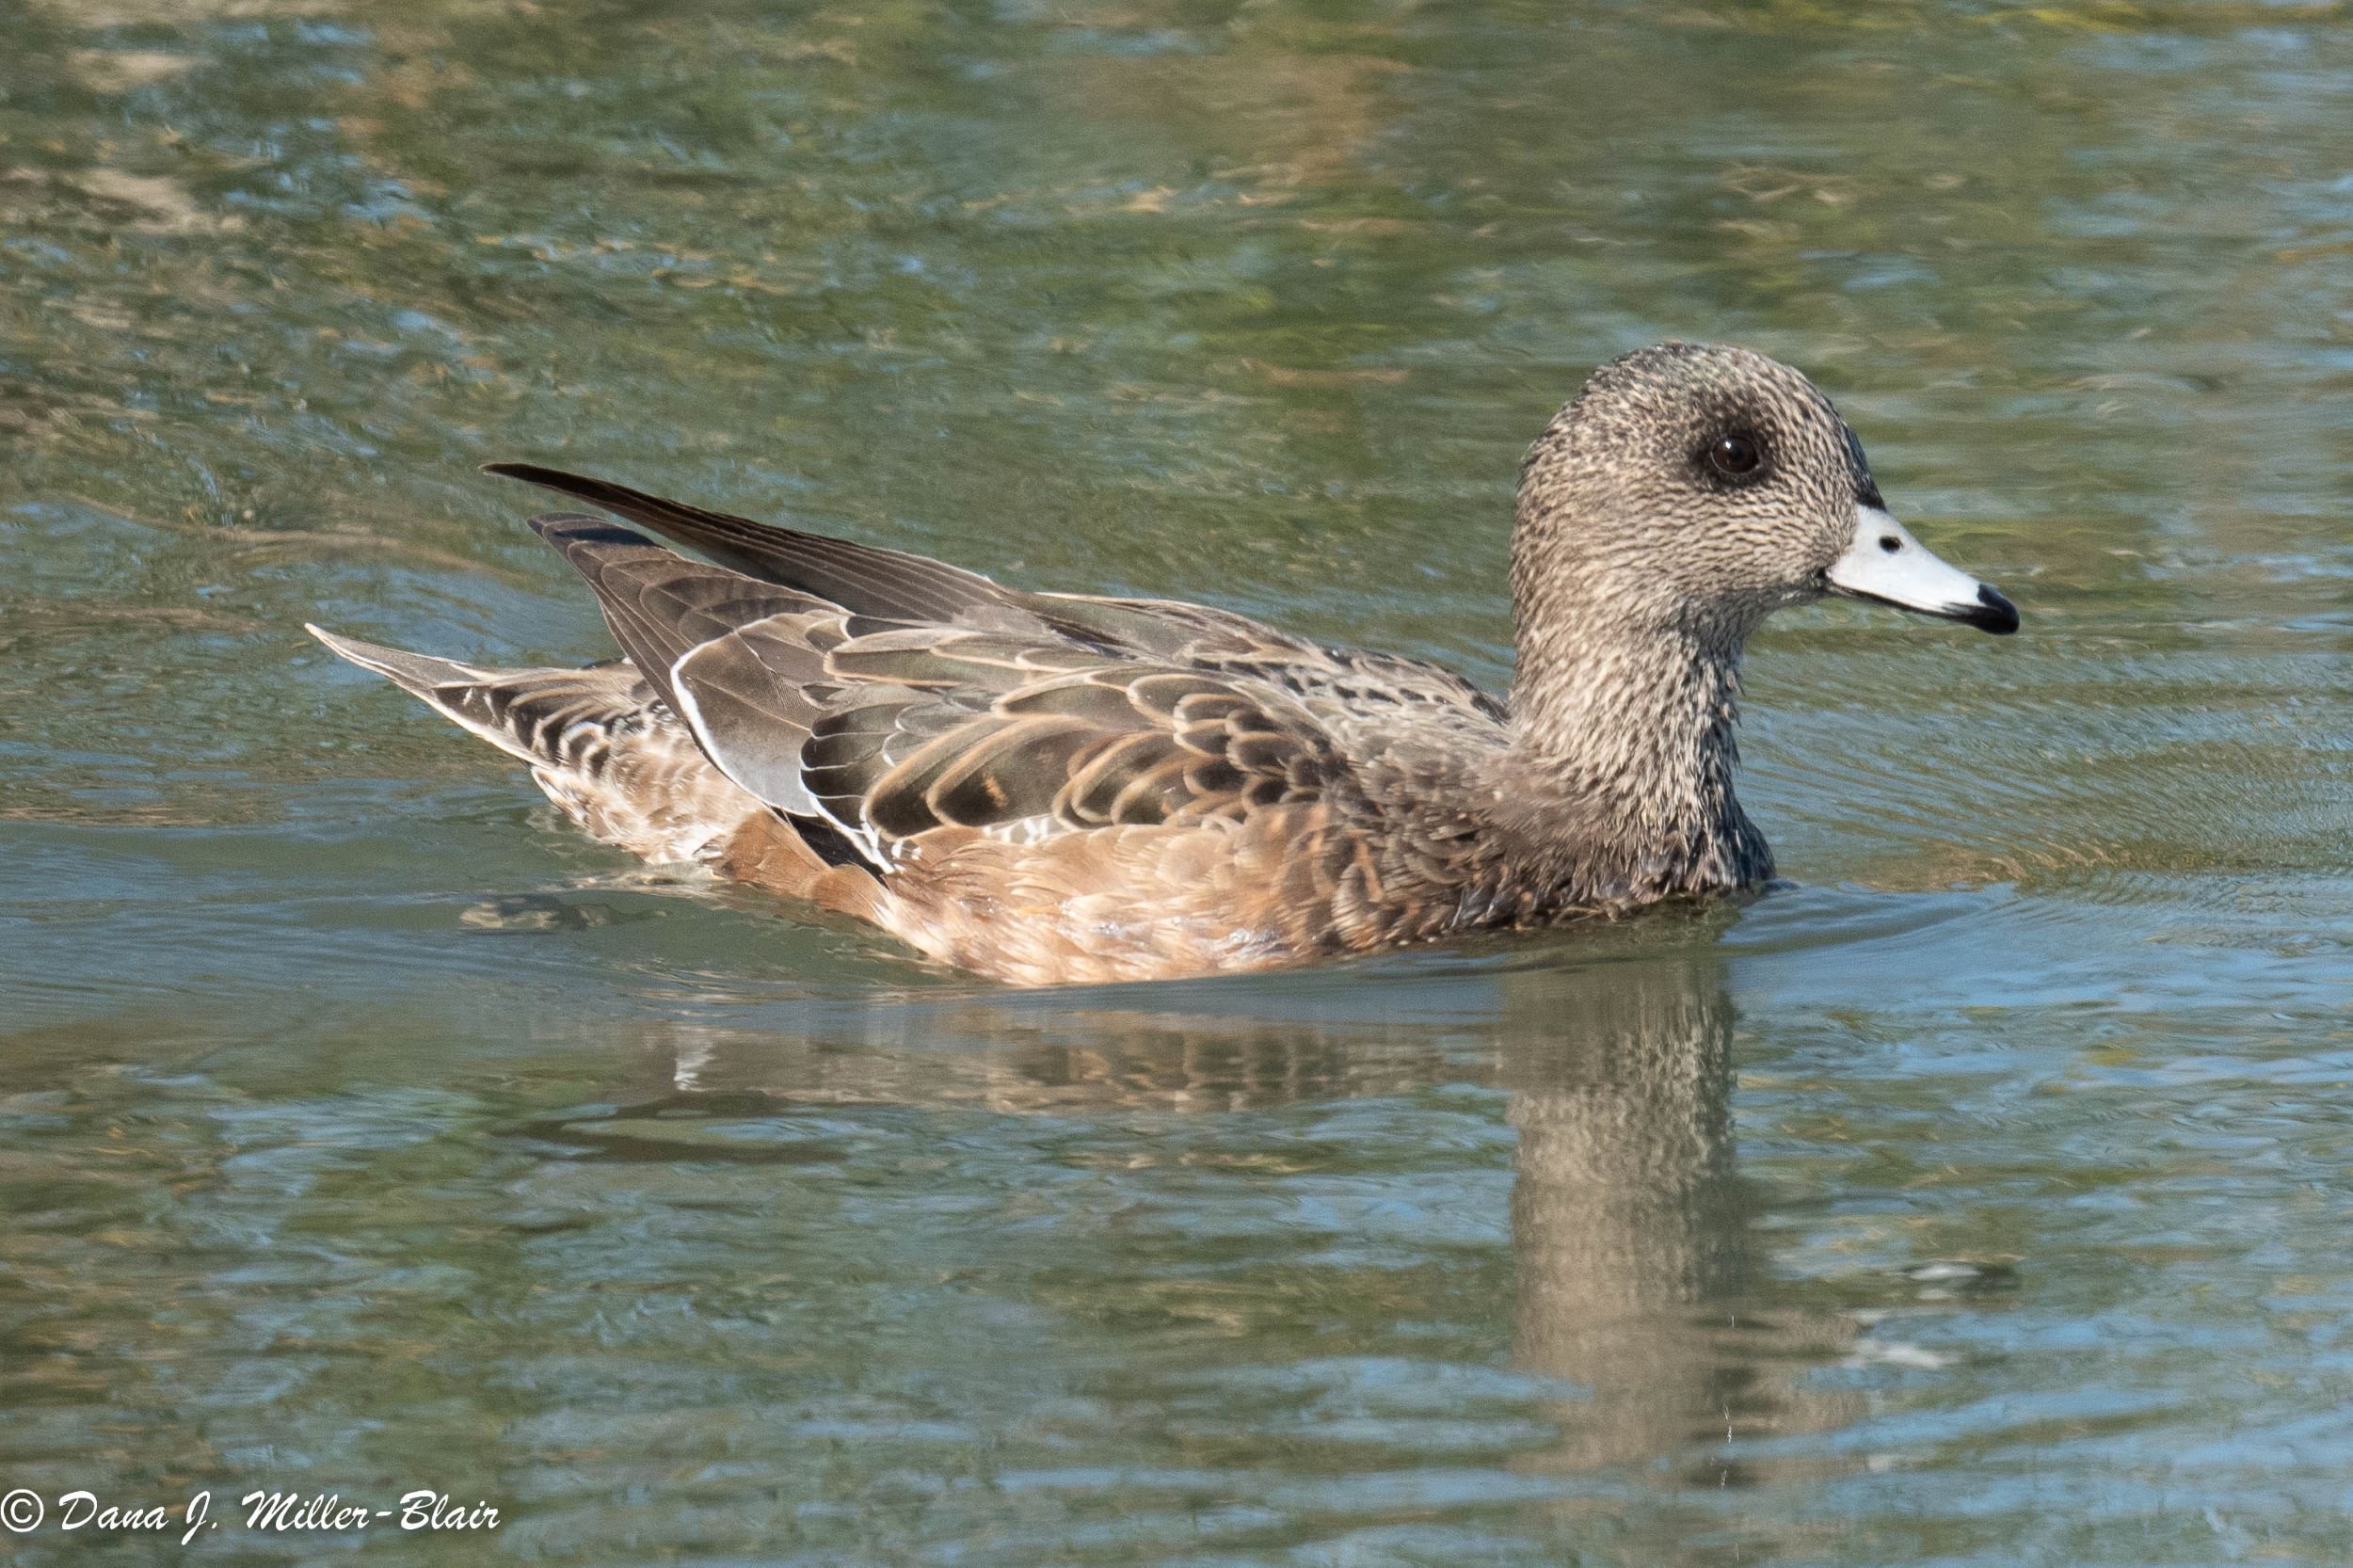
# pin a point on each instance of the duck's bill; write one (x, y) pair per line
(1886, 563)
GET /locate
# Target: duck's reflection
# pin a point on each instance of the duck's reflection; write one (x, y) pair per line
(1637, 1267)
(1635, 1257)
(1006, 1052)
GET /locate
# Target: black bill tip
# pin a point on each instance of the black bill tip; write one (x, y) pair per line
(1991, 613)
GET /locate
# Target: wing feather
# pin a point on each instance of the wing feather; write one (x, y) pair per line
(863, 579)
(735, 657)
(891, 696)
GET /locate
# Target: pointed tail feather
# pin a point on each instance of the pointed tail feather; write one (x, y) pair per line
(418, 673)
(597, 739)
(510, 709)
(551, 718)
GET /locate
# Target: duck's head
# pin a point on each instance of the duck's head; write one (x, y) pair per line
(1700, 487)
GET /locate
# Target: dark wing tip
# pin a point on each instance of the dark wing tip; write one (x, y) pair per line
(567, 530)
(529, 473)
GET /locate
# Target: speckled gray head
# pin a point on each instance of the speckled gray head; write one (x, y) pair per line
(1701, 487)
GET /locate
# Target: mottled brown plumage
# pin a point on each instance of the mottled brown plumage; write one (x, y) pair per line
(1050, 789)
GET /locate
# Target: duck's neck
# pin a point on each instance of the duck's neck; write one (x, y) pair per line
(1623, 750)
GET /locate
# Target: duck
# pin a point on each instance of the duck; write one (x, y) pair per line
(1054, 789)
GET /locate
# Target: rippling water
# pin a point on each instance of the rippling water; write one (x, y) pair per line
(1981, 1198)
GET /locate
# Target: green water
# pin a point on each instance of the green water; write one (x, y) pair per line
(1982, 1197)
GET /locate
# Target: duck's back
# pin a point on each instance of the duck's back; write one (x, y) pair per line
(1038, 787)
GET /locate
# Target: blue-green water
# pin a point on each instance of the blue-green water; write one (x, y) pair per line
(1981, 1198)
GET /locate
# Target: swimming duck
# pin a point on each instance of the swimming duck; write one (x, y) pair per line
(1050, 789)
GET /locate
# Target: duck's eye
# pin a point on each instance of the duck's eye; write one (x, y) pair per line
(1736, 456)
